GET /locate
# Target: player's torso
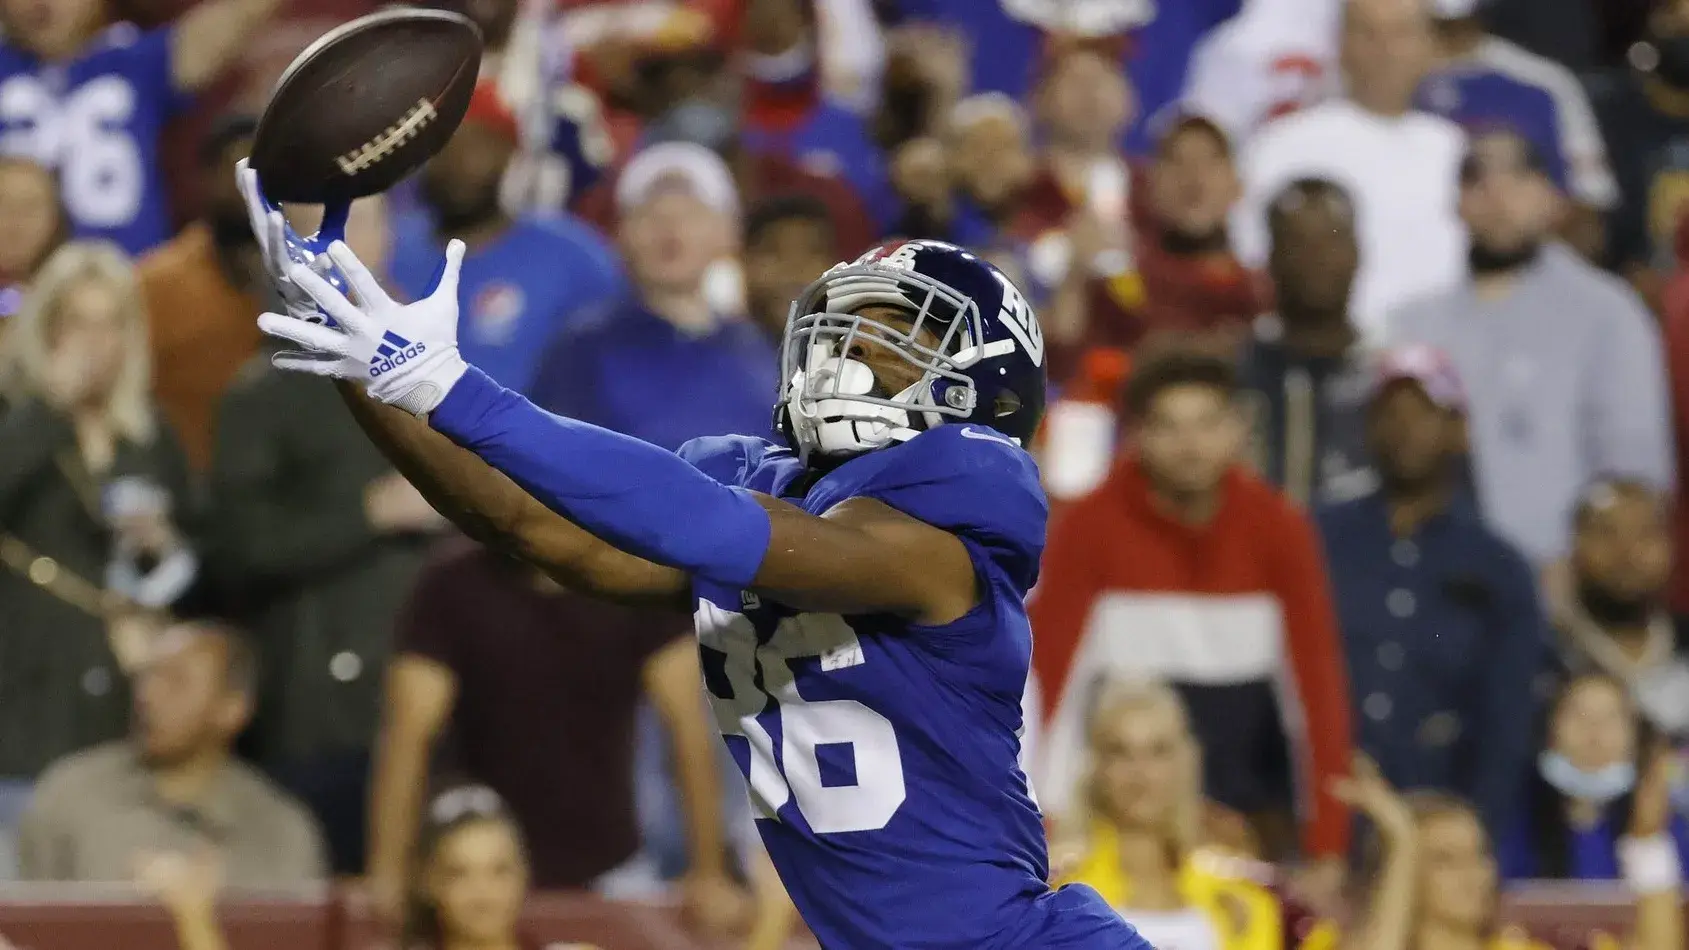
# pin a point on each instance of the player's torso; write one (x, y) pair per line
(96, 120)
(881, 757)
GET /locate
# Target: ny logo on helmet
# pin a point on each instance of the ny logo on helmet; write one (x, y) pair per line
(1018, 318)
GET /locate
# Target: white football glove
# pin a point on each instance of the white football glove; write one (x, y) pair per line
(405, 356)
(281, 247)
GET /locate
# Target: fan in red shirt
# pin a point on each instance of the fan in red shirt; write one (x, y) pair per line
(1185, 567)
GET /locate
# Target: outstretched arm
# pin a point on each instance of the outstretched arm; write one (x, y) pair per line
(494, 510)
(861, 556)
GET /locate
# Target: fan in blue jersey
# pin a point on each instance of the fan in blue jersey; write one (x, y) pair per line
(91, 101)
(858, 590)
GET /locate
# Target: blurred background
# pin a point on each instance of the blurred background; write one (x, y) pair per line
(1368, 331)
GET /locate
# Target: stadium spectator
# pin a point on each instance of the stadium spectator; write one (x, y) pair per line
(523, 278)
(1185, 567)
(32, 226)
(1398, 164)
(789, 242)
(1643, 114)
(94, 493)
(1436, 883)
(1441, 622)
(1301, 367)
(203, 289)
(786, 111)
(1611, 611)
(1191, 281)
(1272, 58)
(662, 363)
(1563, 364)
(967, 182)
(502, 676)
(1584, 790)
(471, 875)
(1172, 863)
(176, 785)
(91, 100)
(755, 177)
(323, 540)
(1484, 82)
(1074, 214)
(988, 148)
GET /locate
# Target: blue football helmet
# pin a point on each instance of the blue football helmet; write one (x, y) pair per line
(970, 334)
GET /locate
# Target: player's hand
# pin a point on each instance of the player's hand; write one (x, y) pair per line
(282, 247)
(405, 356)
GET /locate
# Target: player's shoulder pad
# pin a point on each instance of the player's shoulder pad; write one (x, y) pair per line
(974, 481)
(731, 459)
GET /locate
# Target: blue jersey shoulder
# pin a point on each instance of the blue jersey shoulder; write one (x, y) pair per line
(973, 481)
(965, 479)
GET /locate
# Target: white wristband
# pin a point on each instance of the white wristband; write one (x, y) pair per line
(1650, 864)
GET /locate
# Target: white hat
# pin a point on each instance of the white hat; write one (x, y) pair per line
(696, 167)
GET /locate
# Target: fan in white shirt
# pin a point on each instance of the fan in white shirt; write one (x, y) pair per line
(1400, 166)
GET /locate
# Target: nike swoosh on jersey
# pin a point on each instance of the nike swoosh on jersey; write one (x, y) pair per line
(968, 433)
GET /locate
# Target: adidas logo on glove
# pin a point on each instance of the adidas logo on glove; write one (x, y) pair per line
(394, 351)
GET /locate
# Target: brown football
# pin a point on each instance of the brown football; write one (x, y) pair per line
(365, 105)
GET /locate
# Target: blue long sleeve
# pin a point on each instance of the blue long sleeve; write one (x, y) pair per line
(644, 500)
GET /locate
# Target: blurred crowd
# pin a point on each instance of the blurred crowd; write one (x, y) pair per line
(1369, 356)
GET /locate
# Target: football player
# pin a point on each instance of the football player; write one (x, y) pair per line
(857, 590)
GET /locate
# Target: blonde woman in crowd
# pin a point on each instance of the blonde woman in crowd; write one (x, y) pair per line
(93, 496)
(1176, 866)
(1437, 883)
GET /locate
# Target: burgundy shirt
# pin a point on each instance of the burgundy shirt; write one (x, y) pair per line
(548, 683)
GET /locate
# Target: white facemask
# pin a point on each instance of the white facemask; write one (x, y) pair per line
(827, 421)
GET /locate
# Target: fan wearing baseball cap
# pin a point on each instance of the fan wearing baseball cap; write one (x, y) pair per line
(1439, 616)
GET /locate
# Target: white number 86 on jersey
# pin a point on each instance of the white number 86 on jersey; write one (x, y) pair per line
(764, 691)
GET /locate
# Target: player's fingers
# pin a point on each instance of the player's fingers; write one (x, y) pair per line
(316, 364)
(446, 283)
(313, 336)
(273, 243)
(331, 301)
(363, 283)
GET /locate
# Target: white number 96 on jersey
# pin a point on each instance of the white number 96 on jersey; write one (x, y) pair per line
(837, 758)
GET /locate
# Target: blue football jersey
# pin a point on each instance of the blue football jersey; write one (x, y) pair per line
(881, 756)
(97, 119)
